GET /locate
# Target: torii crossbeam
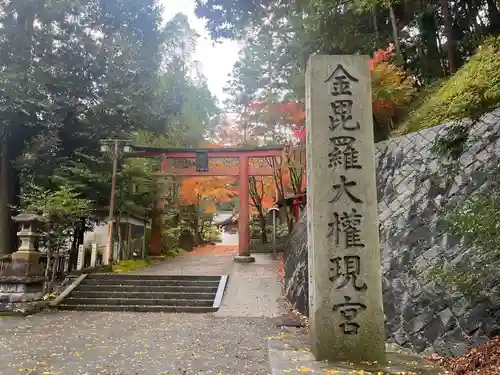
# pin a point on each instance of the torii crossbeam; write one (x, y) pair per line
(243, 171)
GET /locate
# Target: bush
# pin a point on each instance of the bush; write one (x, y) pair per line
(212, 234)
(254, 230)
(281, 231)
(471, 92)
(170, 237)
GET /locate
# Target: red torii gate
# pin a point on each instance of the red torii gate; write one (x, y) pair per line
(243, 171)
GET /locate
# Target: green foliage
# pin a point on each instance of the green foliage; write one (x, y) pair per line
(472, 91)
(62, 206)
(477, 220)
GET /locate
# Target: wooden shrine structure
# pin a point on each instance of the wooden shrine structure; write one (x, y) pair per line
(202, 156)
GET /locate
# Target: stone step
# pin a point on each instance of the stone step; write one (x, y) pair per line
(127, 281)
(109, 292)
(138, 302)
(145, 295)
(114, 276)
(139, 308)
(147, 288)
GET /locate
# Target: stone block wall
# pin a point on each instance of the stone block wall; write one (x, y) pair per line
(21, 294)
(413, 187)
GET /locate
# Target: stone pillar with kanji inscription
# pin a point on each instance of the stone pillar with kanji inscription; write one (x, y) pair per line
(345, 288)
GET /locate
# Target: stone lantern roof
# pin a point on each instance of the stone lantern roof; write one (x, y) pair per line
(28, 217)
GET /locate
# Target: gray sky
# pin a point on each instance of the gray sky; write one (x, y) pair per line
(216, 60)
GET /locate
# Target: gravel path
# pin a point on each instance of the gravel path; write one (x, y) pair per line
(232, 341)
(67, 343)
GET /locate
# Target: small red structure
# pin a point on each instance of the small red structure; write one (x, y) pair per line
(296, 202)
(243, 171)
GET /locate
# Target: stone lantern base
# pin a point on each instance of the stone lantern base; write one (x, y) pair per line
(21, 283)
(27, 263)
(21, 295)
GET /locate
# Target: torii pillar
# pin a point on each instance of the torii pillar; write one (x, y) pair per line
(243, 220)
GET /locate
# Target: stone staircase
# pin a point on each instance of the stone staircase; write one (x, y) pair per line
(146, 293)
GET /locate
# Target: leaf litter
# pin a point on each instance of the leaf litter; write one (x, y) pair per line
(483, 360)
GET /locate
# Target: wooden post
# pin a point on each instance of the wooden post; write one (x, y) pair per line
(345, 287)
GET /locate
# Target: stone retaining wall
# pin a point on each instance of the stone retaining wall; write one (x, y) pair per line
(412, 187)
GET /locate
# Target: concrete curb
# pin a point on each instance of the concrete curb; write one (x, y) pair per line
(220, 291)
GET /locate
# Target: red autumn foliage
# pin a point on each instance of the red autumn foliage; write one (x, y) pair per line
(382, 55)
(291, 112)
(300, 134)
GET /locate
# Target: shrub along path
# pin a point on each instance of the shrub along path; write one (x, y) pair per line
(230, 341)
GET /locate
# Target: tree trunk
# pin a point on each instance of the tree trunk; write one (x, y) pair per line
(56, 262)
(278, 181)
(5, 214)
(375, 26)
(197, 234)
(451, 43)
(119, 235)
(431, 56)
(395, 34)
(73, 252)
(202, 229)
(262, 222)
(493, 16)
(47, 286)
(441, 53)
(14, 201)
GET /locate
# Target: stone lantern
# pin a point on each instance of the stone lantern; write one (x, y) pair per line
(26, 261)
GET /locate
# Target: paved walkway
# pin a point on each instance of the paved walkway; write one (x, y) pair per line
(231, 341)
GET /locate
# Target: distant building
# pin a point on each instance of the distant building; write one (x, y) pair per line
(131, 228)
(229, 224)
